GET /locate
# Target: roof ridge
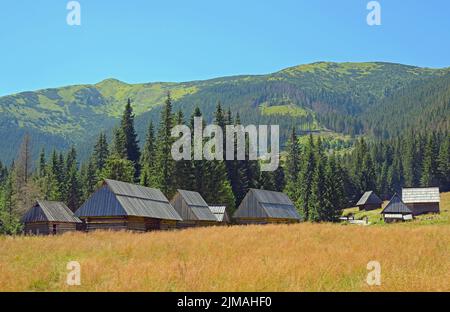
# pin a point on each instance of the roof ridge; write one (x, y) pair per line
(44, 209)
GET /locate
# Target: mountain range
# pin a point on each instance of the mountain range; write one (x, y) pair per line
(375, 99)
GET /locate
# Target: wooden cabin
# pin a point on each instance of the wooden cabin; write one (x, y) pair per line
(263, 207)
(220, 212)
(124, 206)
(422, 200)
(369, 201)
(49, 218)
(396, 211)
(193, 209)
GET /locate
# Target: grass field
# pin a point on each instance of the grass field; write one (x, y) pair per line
(414, 256)
(303, 257)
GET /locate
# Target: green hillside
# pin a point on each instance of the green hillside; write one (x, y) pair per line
(335, 96)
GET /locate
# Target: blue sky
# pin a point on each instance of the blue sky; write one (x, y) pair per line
(146, 40)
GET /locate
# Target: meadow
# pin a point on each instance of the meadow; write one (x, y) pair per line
(414, 256)
(302, 257)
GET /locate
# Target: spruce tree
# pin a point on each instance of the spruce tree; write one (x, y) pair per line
(367, 175)
(9, 219)
(72, 185)
(60, 175)
(73, 189)
(119, 146)
(267, 181)
(118, 168)
(164, 161)
(42, 169)
(305, 179)
(182, 176)
(279, 179)
(52, 186)
(3, 174)
(131, 143)
(318, 205)
(101, 152)
(410, 164)
(334, 191)
(148, 158)
(235, 174)
(217, 186)
(429, 170)
(293, 166)
(241, 181)
(89, 179)
(444, 164)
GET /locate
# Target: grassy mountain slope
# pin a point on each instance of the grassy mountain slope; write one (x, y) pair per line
(298, 95)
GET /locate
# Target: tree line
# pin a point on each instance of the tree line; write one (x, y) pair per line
(321, 182)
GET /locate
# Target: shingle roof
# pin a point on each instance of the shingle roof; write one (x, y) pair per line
(421, 195)
(197, 205)
(276, 205)
(218, 211)
(117, 198)
(369, 198)
(396, 205)
(49, 211)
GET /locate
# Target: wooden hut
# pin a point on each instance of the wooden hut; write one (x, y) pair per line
(422, 200)
(369, 201)
(124, 206)
(49, 218)
(220, 212)
(396, 211)
(193, 209)
(262, 207)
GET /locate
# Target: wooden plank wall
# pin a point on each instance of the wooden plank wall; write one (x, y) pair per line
(137, 224)
(112, 224)
(424, 208)
(261, 221)
(183, 208)
(46, 228)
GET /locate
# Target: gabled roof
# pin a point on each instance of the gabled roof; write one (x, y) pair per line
(395, 206)
(117, 198)
(218, 212)
(193, 198)
(197, 205)
(369, 198)
(50, 211)
(274, 205)
(421, 195)
(271, 197)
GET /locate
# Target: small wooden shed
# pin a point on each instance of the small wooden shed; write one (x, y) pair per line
(124, 206)
(49, 218)
(262, 207)
(396, 211)
(193, 209)
(422, 200)
(369, 201)
(220, 212)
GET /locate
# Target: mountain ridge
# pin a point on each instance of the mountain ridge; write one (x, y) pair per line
(72, 114)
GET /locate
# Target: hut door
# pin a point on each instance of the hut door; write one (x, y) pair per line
(54, 229)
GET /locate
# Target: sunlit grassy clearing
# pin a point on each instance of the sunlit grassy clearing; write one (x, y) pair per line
(303, 257)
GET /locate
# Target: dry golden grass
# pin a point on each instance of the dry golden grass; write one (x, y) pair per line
(303, 257)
